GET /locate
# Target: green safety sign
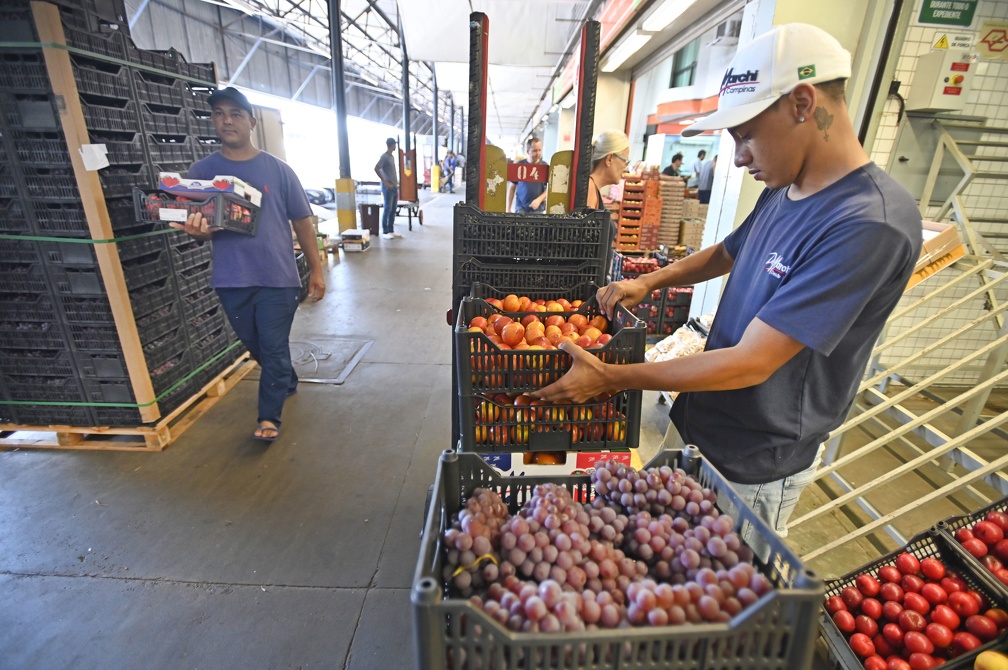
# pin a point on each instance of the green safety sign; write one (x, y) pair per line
(948, 12)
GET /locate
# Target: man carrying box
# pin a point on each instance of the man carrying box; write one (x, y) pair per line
(256, 276)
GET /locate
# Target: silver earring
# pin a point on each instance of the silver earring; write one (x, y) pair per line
(801, 119)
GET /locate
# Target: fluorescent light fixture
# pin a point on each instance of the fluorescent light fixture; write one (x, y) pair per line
(569, 101)
(667, 12)
(627, 48)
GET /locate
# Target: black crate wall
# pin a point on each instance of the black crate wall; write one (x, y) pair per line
(664, 310)
(62, 361)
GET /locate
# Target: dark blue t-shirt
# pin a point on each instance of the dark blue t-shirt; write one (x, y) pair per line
(267, 258)
(527, 191)
(826, 270)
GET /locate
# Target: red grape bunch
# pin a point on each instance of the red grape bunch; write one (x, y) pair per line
(528, 606)
(472, 539)
(661, 490)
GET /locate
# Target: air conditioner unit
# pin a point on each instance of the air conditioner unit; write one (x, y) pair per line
(727, 32)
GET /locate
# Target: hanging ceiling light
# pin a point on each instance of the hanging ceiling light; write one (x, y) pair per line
(667, 12)
(627, 48)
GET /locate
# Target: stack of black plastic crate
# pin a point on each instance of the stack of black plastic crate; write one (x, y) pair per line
(62, 360)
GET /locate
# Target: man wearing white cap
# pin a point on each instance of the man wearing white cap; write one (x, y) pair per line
(816, 269)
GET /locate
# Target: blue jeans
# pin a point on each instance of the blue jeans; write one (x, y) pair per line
(262, 318)
(773, 501)
(390, 196)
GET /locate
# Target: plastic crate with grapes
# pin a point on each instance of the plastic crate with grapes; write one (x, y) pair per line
(516, 572)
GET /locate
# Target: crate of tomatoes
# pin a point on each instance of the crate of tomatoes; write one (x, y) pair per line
(922, 606)
(984, 534)
(225, 211)
(567, 571)
(506, 348)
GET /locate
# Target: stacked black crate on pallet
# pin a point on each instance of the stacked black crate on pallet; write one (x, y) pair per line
(63, 362)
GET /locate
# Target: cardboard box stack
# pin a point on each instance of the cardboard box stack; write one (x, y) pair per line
(672, 191)
(631, 212)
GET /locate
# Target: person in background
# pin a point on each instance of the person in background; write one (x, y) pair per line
(256, 276)
(706, 181)
(815, 271)
(529, 197)
(448, 166)
(610, 157)
(673, 168)
(696, 167)
(386, 171)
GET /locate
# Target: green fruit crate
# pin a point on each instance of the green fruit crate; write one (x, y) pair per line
(225, 211)
(931, 543)
(777, 632)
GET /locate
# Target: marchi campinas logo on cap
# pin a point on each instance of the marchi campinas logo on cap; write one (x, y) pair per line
(806, 72)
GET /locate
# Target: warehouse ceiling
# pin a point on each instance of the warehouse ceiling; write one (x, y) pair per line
(529, 41)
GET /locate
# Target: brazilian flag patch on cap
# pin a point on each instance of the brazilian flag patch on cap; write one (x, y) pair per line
(806, 72)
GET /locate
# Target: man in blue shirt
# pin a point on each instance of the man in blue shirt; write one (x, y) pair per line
(527, 197)
(816, 269)
(256, 276)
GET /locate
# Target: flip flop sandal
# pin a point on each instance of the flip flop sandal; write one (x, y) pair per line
(263, 438)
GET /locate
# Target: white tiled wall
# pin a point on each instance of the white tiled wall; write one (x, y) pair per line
(989, 98)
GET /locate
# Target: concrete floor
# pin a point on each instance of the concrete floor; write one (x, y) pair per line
(223, 552)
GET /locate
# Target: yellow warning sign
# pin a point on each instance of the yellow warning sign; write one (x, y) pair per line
(942, 42)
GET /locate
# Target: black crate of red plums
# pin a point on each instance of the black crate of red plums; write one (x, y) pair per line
(507, 347)
(926, 605)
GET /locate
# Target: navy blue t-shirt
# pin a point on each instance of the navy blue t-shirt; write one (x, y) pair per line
(266, 258)
(826, 270)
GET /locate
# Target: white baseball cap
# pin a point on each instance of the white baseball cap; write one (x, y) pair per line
(770, 66)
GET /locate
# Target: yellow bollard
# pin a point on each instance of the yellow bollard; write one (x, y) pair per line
(346, 204)
(435, 178)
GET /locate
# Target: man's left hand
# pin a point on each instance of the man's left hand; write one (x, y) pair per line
(581, 383)
(316, 287)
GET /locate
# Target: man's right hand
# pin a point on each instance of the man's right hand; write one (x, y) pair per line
(627, 292)
(196, 226)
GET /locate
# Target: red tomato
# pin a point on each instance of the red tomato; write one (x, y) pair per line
(933, 568)
(867, 585)
(907, 564)
(963, 534)
(875, 663)
(897, 663)
(862, 645)
(909, 620)
(963, 604)
(1001, 550)
(871, 607)
(892, 609)
(866, 625)
(963, 643)
(983, 627)
(997, 517)
(844, 620)
(934, 594)
(893, 634)
(1002, 574)
(981, 602)
(920, 661)
(989, 533)
(946, 616)
(952, 583)
(852, 597)
(940, 636)
(891, 591)
(916, 602)
(912, 583)
(999, 616)
(992, 562)
(975, 547)
(889, 573)
(882, 646)
(834, 604)
(918, 642)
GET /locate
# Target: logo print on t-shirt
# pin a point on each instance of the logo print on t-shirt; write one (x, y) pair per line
(775, 267)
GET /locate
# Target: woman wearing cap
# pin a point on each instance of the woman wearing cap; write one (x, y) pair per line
(816, 269)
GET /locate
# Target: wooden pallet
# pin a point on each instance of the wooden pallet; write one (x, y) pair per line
(154, 437)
